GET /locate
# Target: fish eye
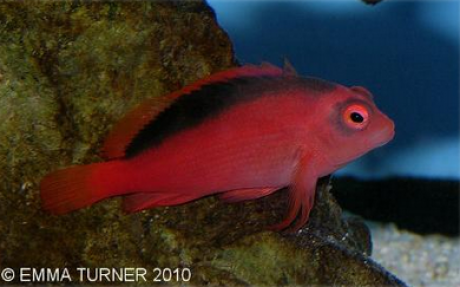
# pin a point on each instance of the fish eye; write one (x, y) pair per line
(356, 116)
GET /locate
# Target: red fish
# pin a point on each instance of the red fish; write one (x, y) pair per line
(242, 134)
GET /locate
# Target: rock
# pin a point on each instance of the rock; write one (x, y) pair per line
(372, 2)
(232, 244)
(68, 71)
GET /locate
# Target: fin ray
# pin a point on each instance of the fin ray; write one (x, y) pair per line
(73, 188)
(246, 194)
(140, 201)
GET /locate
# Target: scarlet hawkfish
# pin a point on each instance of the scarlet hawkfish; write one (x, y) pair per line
(243, 133)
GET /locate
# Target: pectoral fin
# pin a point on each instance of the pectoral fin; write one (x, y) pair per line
(301, 197)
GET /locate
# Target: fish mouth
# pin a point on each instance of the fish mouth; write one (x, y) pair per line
(385, 135)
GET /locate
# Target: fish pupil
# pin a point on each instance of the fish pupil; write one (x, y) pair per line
(356, 117)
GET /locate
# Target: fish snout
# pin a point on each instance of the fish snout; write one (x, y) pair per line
(387, 133)
(390, 128)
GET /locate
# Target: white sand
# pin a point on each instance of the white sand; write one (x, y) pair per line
(431, 260)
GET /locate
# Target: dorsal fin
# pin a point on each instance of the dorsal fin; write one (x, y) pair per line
(128, 127)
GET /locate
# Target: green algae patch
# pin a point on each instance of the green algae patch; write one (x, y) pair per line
(265, 259)
(68, 71)
(268, 261)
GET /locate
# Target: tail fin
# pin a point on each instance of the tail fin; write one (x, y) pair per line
(76, 187)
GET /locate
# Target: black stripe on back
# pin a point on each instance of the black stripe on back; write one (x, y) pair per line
(210, 100)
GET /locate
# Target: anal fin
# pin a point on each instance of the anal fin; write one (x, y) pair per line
(140, 201)
(238, 195)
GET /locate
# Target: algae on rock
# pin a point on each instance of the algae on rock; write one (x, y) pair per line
(68, 71)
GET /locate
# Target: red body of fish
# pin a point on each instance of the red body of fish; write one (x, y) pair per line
(242, 133)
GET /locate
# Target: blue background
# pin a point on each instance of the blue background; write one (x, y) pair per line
(405, 52)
